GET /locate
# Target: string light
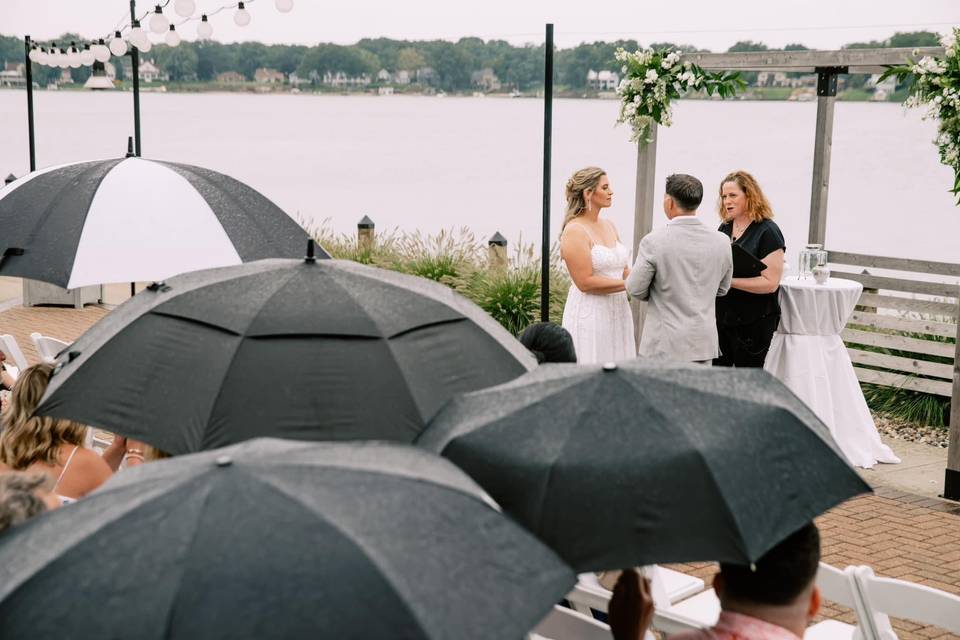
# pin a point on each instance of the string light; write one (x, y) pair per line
(204, 29)
(100, 50)
(242, 16)
(185, 8)
(172, 38)
(118, 46)
(158, 22)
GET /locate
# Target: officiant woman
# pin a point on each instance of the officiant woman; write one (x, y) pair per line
(748, 315)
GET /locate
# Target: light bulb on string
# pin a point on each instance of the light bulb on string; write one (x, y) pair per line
(34, 55)
(204, 29)
(144, 45)
(41, 56)
(172, 38)
(137, 36)
(62, 59)
(100, 51)
(284, 6)
(74, 56)
(86, 56)
(117, 46)
(184, 8)
(158, 22)
(242, 16)
(52, 60)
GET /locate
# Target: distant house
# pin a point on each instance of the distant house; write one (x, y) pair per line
(268, 76)
(385, 91)
(231, 77)
(340, 79)
(13, 75)
(603, 80)
(296, 81)
(881, 90)
(66, 77)
(402, 77)
(147, 70)
(384, 76)
(426, 75)
(485, 79)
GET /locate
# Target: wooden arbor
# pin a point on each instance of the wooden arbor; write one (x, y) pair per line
(911, 338)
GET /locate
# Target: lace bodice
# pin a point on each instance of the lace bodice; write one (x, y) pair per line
(609, 262)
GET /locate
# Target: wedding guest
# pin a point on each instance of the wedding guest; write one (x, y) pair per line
(596, 313)
(549, 342)
(775, 599)
(23, 496)
(6, 380)
(52, 445)
(749, 314)
(680, 270)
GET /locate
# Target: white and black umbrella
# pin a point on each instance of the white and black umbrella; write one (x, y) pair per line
(136, 220)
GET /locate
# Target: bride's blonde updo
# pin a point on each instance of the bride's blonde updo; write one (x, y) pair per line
(587, 178)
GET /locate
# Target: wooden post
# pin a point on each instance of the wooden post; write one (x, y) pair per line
(365, 234)
(951, 480)
(497, 253)
(823, 142)
(643, 212)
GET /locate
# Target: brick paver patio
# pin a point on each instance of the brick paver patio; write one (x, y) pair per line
(900, 535)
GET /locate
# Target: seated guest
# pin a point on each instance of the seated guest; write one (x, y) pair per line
(52, 445)
(775, 599)
(549, 342)
(23, 496)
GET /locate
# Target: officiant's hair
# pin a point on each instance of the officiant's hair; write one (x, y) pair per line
(685, 190)
(758, 207)
(781, 575)
(549, 342)
(586, 178)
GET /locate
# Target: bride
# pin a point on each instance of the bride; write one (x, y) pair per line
(596, 314)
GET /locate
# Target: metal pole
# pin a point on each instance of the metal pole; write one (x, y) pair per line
(29, 67)
(547, 141)
(135, 66)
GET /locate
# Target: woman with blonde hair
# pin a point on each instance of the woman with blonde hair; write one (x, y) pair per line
(750, 312)
(596, 313)
(52, 445)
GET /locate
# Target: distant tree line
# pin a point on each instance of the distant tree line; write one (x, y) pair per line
(518, 67)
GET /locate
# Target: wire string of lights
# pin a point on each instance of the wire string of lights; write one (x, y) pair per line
(132, 34)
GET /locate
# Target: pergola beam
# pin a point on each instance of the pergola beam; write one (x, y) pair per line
(857, 60)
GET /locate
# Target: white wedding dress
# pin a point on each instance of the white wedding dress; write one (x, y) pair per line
(601, 324)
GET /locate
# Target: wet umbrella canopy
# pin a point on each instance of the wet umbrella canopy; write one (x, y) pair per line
(136, 220)
(277, 539)
(644, 463)
(321, 350)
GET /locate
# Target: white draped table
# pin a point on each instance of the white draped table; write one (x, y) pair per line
(808, 355)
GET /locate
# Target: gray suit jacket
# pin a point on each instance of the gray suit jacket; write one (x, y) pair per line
(680, 270)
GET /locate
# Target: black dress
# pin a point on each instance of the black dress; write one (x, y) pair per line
(746, 321)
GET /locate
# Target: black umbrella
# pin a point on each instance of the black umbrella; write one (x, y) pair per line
(322, 350)
(279, 539)
(639, 463)
(136, 220)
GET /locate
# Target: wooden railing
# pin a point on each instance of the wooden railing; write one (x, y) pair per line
(911, 317)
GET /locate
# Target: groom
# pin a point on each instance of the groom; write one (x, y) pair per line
(680, 270)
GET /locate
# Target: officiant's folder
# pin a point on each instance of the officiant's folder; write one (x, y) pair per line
(745, 264)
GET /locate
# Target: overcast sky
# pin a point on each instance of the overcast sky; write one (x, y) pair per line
(819, 24)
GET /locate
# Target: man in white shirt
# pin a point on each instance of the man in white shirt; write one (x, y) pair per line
(680, 270)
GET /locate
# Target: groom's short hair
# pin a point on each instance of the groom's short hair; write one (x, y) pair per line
(685, 190)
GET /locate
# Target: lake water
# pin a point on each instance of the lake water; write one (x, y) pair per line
(427, 163)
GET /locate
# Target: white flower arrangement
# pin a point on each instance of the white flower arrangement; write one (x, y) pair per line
(936, 83)
(653, 78)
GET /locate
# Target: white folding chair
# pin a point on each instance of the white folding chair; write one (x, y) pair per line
(566, 624)
(884, 597)
(10, 348)
(48, 347)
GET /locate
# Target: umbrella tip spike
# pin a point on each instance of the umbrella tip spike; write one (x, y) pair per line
(224, 461)
(311, 257)
(130, 153)
(73, 355)
(609, 366)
